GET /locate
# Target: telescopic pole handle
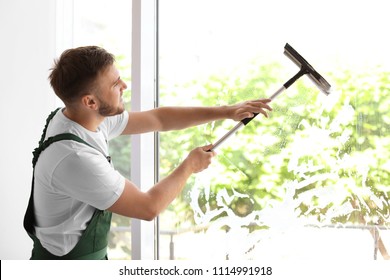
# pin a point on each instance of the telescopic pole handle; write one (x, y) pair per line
(242, 123)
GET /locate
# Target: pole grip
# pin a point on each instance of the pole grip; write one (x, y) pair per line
(272, 97)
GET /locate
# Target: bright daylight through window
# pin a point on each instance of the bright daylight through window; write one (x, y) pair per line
(310, 181)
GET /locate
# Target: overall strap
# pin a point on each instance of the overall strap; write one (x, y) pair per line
(52, 114)
(36, 153)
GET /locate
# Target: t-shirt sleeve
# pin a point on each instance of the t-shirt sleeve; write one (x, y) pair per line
(86, 175)
(116, 124)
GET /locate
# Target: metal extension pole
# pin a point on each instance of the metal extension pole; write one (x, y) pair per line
(242, 123)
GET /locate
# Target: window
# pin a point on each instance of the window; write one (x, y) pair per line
(310, 181)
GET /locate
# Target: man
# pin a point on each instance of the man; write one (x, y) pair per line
(75, 188)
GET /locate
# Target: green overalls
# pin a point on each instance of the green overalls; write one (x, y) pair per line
(93, 242)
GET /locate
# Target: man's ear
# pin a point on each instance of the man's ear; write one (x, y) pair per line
(89, 101)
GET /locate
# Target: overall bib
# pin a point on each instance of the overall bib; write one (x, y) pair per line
(93, 242)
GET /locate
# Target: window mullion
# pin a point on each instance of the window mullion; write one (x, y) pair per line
(143, 162)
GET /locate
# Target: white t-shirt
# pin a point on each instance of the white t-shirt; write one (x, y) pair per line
(72, 180)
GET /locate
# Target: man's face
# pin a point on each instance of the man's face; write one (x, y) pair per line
(110, 92)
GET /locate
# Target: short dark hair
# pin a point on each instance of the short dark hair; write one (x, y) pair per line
(76, 70)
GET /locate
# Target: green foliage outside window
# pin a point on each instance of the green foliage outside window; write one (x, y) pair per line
(331, 153)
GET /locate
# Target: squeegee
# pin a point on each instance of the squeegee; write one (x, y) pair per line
(305, 69)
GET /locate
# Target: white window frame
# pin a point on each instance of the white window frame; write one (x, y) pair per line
(144, 88)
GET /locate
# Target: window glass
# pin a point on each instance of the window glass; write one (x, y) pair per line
(108, 24)
(310, 181)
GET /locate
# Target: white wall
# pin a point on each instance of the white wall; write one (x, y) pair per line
(27, 50)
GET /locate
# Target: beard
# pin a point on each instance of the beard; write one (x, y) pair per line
(107, 110)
